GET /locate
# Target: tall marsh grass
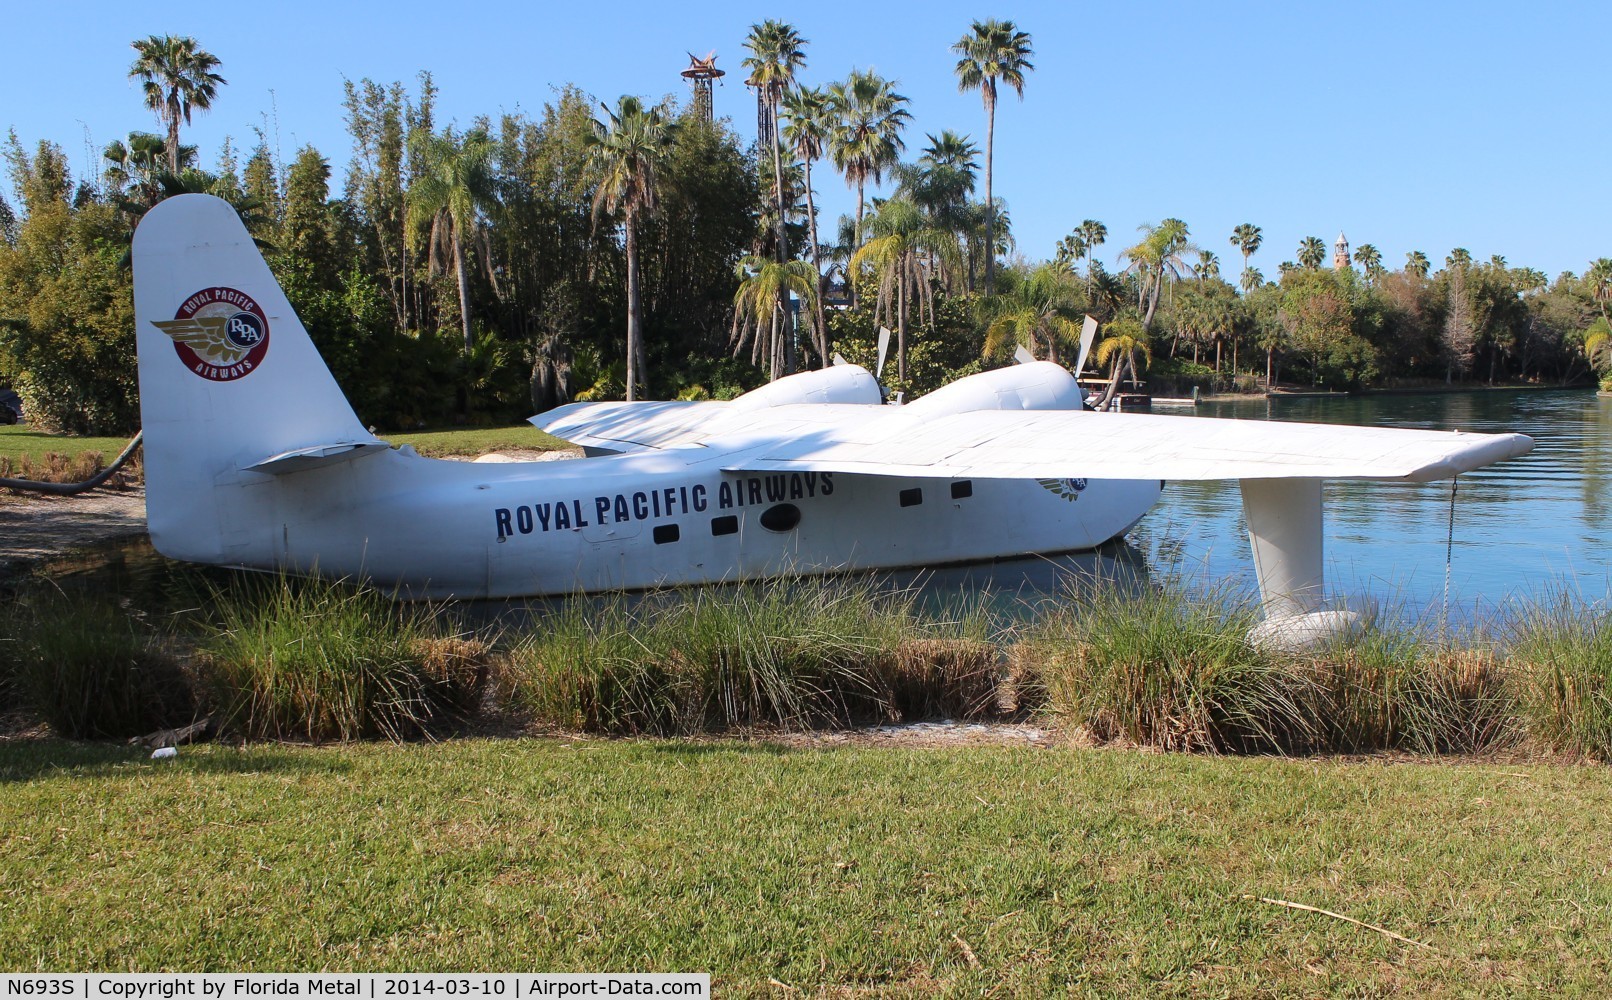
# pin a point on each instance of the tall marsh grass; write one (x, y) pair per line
(1561, 654)
(792, 655)
(319, 660)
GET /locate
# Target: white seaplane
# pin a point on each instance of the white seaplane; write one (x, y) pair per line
(254, 459)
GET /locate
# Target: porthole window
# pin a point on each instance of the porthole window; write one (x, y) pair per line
(727, 524)
(666, 533)
(782, 517)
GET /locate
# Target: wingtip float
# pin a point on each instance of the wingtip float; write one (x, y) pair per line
(255, 459)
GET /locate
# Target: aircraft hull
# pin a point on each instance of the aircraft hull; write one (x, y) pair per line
(438, 529)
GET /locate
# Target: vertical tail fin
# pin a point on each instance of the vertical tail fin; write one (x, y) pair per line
(228, 379)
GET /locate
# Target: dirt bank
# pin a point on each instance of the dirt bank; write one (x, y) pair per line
(36, 528)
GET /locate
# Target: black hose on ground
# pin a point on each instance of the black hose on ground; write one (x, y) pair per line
(73, 489)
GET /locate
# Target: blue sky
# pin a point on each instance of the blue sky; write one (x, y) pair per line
(1408, 125)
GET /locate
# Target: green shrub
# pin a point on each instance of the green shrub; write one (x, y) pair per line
(92, 671)
(1560, 651)
(320, 660)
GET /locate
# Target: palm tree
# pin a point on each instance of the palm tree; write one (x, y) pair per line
(1208, 265)
(1369, 258)
(1251, 279)
(900, 242)
(869, 116)
(1599, 278)
(629, 151)
(1417, 263)
(1092, 233)
(1311, 252)
(776, 52)
(177, 78)
(455, 186)
(809, 128)
(1159, 254)
(1247, 238)
(1459, 257)
(760, 306)
(992, 51)
(1118, 350)
(940, 184)
(1041, 309)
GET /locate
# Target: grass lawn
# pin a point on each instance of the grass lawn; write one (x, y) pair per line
(20, 441)
(477, 440)
(893, 872)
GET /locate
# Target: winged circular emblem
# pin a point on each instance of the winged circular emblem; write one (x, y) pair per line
(219, 333)
(1068, 489)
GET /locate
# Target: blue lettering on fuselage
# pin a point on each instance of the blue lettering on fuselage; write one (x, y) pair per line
(653, 505)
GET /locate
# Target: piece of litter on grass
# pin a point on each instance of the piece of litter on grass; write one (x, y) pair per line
(164, 753)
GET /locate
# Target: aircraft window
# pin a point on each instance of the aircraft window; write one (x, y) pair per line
(912, 497)
(727, 524)
(782, 517)
(666, 533)
(964, 488)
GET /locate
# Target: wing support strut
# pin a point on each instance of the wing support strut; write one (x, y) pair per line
(1285, 533)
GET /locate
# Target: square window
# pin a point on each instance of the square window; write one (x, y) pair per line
(728, 524)
(912, 497)
(962, 488)
(666, 533)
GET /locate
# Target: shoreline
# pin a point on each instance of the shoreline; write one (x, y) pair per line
(37, 529)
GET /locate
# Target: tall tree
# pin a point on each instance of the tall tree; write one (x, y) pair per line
(455, 188)
(902, 239)
(759, 312)
(869, 118)
(1247, 238)
(177, 78)
(810, 126)
(1599, 278)
(1417, 263)
(990, 52)
(776, 51)
(629, 150)
(1311, 252)
(1370, 259)
(1157, 257)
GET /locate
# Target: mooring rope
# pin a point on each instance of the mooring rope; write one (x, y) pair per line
(1449, 557)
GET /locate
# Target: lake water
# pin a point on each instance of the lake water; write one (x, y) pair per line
(1523, 528)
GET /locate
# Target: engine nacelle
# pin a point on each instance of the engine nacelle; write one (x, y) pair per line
(836, 384)
(1039, 385)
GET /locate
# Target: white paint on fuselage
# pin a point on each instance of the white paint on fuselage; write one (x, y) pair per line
(388, 516)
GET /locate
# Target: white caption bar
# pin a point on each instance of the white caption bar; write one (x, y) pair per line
(362, 985)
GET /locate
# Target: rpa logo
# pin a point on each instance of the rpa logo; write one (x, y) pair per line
(245, 330)
(1068, 489)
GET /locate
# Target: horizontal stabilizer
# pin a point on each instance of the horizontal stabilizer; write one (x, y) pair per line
(316, 457)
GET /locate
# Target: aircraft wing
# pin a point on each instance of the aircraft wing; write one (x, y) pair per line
(1014, 444)
(631, 426)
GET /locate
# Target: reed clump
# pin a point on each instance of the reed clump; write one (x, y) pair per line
(318, 661)
(56, 467)
(91, 669)
(1561, 655)
(785, 655)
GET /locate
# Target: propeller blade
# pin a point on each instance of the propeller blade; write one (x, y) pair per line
(884, 348)
(1022, 356)
(839, 359)
(1088, 333)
